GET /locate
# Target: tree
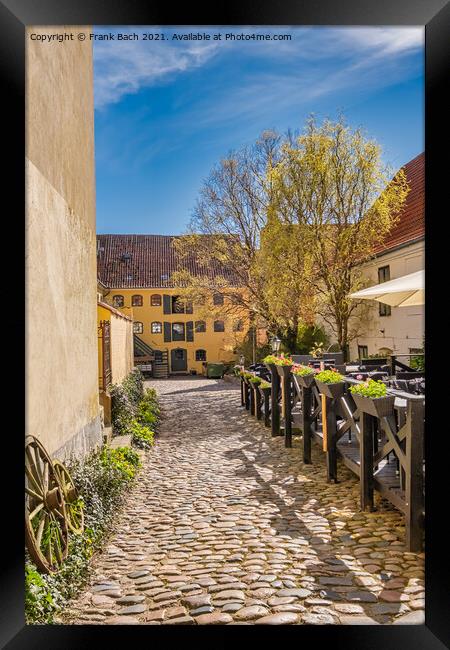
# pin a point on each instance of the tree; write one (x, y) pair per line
(330, 183)
(230, 226)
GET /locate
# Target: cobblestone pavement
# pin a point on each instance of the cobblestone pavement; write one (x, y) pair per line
(227, 526)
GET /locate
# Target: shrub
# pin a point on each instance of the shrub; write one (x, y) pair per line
(370, 388)
(133, 386)
(122, 410)
(146, 414)
(141, 436)
(101, 479)
(123, 459)
(302, 370)
(329, 376)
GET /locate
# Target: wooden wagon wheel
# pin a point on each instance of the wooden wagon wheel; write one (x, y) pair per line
(73, 502)
(46, 531)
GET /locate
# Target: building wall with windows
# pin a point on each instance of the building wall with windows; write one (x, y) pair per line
(62, 402)
(158, 321)
(398, 330)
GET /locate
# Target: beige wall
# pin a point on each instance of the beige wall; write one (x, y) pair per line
(122, 359)
(404, 328)
(62, 406)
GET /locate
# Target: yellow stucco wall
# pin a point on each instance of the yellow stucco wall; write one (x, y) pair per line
(62, 405)
(122, 359)
(218, 345)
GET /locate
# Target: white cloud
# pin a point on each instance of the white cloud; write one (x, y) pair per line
(124, 67)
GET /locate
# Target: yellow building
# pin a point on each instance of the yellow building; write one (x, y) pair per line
(137, 271)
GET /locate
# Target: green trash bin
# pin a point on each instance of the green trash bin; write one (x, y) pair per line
(215, 370)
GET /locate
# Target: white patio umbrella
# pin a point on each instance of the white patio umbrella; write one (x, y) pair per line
(407, 291)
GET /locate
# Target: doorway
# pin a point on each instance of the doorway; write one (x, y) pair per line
(178, 360)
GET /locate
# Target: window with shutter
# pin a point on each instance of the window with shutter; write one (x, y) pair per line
(167, 304)
(190, 331)
(167, 332)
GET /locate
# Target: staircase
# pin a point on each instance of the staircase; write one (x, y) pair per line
(161, 365)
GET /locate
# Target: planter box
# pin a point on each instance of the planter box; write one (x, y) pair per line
(377, 406)
(283, 371)
(333, 391)
(270, 366)
(305, 381)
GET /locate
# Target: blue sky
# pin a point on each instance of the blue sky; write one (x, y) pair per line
(167, 111)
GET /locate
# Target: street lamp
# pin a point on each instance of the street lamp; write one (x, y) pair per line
(275, 342)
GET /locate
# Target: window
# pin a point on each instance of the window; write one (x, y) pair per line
(200, 326)
(178, 333)
(200, 355)
(217, 299)
(238, 325)
(383, 276)
(155, 300)
(118, 301)
(219, 326)
(136, 301)
(177, 305)
(138, 327)
(363, 352)
(156, 328)
(235, 298)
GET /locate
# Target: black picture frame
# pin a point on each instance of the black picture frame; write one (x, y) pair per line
(435, 16)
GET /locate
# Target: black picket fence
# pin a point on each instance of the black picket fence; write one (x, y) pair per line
(381, 441)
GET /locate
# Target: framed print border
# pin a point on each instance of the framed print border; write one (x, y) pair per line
(435, 16)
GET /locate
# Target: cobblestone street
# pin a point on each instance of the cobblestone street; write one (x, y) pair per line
(227, 526)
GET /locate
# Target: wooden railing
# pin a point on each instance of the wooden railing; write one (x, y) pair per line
(386, 451)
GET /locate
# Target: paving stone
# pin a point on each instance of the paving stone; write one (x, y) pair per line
(283, 618)
(357, 620)
(412, 618)
(250, 613)
(181, 620)
(196, 601)
(133, 609)
(205, 609)
(130, 600)
(215, 618)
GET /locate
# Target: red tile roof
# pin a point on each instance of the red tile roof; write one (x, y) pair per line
(151, 261)
(411, 225)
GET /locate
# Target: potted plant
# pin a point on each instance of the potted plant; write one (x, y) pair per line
(270, 361)
(371, 397)
(283, 365)
(303, 375)
(330, 383)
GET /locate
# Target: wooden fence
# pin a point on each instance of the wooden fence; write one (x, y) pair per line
(384, 450)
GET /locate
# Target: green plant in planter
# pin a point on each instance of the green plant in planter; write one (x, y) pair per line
(146, 414)
(303, 371)
(248, 375)
(370, 388)
(329, 377)
(271, 358)
(283, 360)
(265, 384)
(256, 380)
